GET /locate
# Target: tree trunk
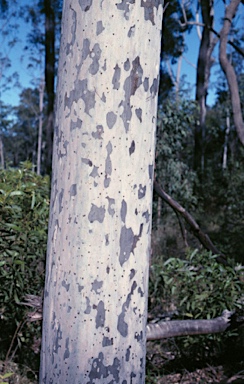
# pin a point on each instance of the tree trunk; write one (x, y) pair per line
(39, 145)
(95, 299)
(229, 70)
(49, 77)
(204, 64)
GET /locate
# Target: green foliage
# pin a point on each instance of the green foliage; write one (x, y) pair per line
(199, 288)
(24, 207)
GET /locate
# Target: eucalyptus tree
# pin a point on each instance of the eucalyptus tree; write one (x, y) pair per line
(95, 298)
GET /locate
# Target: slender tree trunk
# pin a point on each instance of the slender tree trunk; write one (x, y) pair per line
(1, 153)
(95, 299)
(203, 74)
(49, 77)
(39, 147)
(227, 132)
(229, 70)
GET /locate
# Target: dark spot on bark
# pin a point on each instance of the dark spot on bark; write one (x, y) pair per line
(133, 82)
(65, 285)
(60, 199)
(84, 53)
(100, 27)
(85, 5)
(96, 286)
(111, 202)
(146, 84)
(132, 147)
(96, 214)
(123, 210)
(69, 309)
(86, 161)
(108, 270)
(139, 114)
(107, 341)
(141, 191)
(139, 336)
(98, 133)
(116, 77)
(126, 114)
(100, 317)
(111, 119)
(100, 372)
(88, 306)
(73, 190)
(131, 31)
(56, 345)
(154, 87)
(148, 6)
(146, 215)
(127, 354)
(95, 56)
(107, 240)
(127, 65)
(76, 124)
(141, 293)
(132, 273)
(66, 352)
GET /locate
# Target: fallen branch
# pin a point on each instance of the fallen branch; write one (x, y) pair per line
(173, 328)
(202, 237)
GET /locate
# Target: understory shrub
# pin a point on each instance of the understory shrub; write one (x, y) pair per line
(24, 207)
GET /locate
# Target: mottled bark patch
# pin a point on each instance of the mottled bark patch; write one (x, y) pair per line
(96, 214)
(111, 202)
(122, 326)
(141, 191)
(73, 190)
(96, 286)
(100, 27)
(95, 56)
(85, 5)
(149, 6)
(116, 77)
(86, 161)
(111, 119)
(132, 147)
(100, 316)
(66, 352)
(75, 124)
(123, 210)
(139, 114)
(81, 91)
(60, 200)
(88, 306)
(107, 341)
(98, 133)
(126, 244)
(100, 371)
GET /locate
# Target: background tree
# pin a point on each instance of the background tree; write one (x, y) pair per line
(100, 219)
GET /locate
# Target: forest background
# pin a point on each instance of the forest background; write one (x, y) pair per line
(199, 160)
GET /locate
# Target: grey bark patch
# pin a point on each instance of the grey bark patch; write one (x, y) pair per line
(75, 124)
(107, 341)
(146, 215)
(96, 286)
(85, 5)
(111, 118)
(85, 52)
(132, 273)
(132, 147)
(99, 371)
(116, 77)
(98, 133)
(58, 337)
(126, 114)
(122, 326)
(125, 6)
(111, 202)
(80, 91)
(66, 352)
(86, 161)
(94, 172)
(123, 210)
(139, 336)
(107, 240)
(100, 27)
(127, 65)
(141, 293)
(133, 82)
(100, 316)
(107, 181)
(96, 214)
(146, 84)
(126, 244)
(127, 354)
(69, 46)
(141, 191)
(131, 31)
(65, 285)
(154, 87)
(95, 56)
(60, 200)
(73, 190)
(139, 114)
(80, 287)
(148, 6)
(150, 171)
(88, 306)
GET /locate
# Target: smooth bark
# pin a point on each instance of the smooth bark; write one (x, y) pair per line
(95, 299)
